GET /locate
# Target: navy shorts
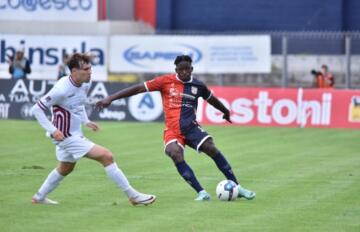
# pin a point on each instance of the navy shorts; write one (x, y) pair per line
(195, 137)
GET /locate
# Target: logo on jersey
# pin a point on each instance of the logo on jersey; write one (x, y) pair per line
(194, 90)
(146, 106)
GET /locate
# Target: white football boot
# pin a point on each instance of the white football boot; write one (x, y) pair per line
(142, 199)
(45, 201)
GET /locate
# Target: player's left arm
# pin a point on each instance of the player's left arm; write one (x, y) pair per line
(214, 101)
(86, 121)
(92, 125)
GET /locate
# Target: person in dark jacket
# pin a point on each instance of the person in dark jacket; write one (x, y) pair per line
(19, 66)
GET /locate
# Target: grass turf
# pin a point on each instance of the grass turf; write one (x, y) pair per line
(305, 180)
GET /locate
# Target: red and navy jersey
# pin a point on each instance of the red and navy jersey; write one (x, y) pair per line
(180, 99)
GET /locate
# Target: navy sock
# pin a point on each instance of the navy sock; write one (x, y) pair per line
(224, 166)
(188, 175)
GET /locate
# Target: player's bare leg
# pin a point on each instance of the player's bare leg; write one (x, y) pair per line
(105, 157)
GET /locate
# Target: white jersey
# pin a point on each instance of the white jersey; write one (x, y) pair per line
(67, 104)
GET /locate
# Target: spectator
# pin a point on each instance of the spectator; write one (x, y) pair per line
(63, 67)
(19, 66)
(323, 78)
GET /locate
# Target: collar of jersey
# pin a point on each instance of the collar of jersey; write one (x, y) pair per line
(189, 81)
(73, 82)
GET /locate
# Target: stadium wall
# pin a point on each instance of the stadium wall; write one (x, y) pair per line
(258, 15)
(351, 15)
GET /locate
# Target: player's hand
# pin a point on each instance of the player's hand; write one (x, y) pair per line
(58, 135)
(103, 103)
(93, 126)
(226, 116)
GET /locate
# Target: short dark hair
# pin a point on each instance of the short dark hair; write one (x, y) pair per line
(182, 58)
(77, 60)
(324, 66)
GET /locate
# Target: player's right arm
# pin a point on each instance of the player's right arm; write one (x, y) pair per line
(44, 104)
(127, 92)
(151, 85)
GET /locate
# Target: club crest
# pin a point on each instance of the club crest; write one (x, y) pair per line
(48, 98)
(194, 90)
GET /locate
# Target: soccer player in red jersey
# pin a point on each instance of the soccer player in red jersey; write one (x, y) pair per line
(180, 93)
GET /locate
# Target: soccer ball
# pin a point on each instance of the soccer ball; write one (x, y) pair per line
(227, 190)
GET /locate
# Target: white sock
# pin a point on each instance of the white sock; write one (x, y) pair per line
(51, 182)
(120, 179)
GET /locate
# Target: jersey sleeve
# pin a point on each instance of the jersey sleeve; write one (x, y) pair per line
(53, 97)
(40, 116)
(43, 105)
(206, 92)
(84, 116)
(154, 84)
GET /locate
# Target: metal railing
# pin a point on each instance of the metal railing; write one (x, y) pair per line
(294, 55)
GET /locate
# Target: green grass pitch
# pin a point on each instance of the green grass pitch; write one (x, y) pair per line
(305, 180)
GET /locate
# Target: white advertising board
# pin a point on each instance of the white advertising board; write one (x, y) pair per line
(211, 54)
(233, 54)
(45, 53)
(47, 10)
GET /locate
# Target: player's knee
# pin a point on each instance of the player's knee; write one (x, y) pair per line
(171, 152)
(176, 155)
(210, 149)
(65, 170)
(177, 158)
(213, 151)
(175, 152)
(107, 157)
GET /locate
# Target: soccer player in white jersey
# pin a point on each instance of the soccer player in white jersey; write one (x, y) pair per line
(66, 101)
